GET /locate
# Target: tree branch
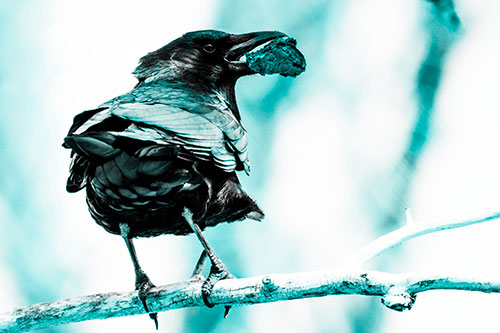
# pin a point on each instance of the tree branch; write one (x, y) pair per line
(409, 231)
(398, 291)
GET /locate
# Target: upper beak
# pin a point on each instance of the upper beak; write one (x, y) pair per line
(244, 43)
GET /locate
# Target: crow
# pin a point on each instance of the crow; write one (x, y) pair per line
(162, 158)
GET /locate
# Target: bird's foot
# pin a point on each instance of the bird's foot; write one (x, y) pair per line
(218, 272)
(143, 284)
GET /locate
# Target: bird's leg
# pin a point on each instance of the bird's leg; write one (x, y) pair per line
(199, 266)
(218, 271)
(142, 282)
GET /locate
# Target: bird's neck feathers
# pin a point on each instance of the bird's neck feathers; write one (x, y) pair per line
(162, 70)
(176, 73)
(227, 90)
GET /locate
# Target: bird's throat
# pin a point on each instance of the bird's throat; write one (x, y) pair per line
(227, 89)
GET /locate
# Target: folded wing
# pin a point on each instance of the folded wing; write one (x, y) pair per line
(201, 127)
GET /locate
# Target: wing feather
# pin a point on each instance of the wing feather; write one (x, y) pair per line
(201, 134)
(201, 123)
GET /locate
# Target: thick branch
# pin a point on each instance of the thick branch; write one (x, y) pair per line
(409, 231)
(398, 292)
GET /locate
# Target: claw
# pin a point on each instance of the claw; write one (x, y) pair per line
(154, 317)
(226, 311)
(143, 284)
(218, 272)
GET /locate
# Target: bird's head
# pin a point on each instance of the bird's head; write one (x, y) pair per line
(209, 57)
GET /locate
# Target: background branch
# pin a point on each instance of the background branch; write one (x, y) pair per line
(409, 231)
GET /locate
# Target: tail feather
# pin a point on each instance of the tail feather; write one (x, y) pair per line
(93, 146)
(77, 174)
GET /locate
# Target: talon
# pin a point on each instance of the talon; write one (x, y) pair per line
(143, 294)
(154, 317)
(217, 273)
(143, 284)
(226, 311)
(206, 290)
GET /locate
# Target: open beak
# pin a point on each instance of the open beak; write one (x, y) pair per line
(244, 43)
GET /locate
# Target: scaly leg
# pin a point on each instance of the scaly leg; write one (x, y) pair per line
(142, 282)
(218, 271)
(199, 266)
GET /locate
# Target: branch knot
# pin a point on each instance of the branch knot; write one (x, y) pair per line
(268, 284)
(398, 299)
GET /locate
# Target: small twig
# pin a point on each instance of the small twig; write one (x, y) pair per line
(409, 218)
(408, 231)
(398, 292)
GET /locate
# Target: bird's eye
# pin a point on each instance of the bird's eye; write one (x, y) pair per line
(209, 48)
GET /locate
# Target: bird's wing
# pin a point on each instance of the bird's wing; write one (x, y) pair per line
(207, 135)
(202, 125)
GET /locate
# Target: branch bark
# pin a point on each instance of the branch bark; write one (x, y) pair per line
(398, 291)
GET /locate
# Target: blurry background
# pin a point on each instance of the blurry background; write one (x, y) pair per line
(399, 107)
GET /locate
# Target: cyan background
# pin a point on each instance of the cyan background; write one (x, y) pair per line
(395, 110)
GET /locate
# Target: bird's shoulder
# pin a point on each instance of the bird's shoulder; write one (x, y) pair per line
(200, 121)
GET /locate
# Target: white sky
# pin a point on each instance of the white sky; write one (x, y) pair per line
(354, 129)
